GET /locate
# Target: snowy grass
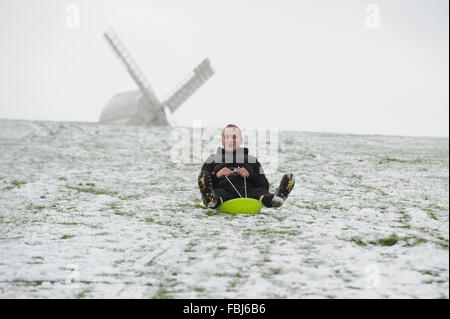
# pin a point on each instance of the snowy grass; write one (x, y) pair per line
(89, 210)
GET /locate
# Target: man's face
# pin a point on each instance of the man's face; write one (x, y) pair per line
(231, 138)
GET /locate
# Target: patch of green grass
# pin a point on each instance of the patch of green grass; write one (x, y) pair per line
(432, 215)
(390, 159)
(289, 232)
(17, 183)
(152, 262)
(279, 218)
(128, 197)
(67, 236)
(267, 260)
(270, 231)
(357, 241)
(14, 184)
(429, 273)
(313, 206)
(388, 241)
(115, 207)
(161, 293)
(172, 209)
(404, 217)
(417, 160)
(364, 188)
(91, 190)
(356, 176)
(443, 244)
(211, 212)
(414, 240)
(276, 271)
(263, 231)
(35, 208)
(119, 262)
(190, 206)
(434, 281)
(310, 205)
(431, 210)
(118, 213)
(82, 294)
(36, 283)
(233, 284)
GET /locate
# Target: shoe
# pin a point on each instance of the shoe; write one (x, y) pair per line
(214, 204)
(286, 185)
(205, 185)
(277, 201)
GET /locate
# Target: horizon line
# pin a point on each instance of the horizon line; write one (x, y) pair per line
(183, 126)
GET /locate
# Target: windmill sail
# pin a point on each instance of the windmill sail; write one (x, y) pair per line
(191, 83)
(131, 66)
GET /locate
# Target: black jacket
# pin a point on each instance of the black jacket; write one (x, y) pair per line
(232, 160)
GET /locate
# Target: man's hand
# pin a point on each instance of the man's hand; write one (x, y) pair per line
(243, 172)
(224, 172)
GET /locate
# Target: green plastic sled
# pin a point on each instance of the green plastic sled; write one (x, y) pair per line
(241, 206)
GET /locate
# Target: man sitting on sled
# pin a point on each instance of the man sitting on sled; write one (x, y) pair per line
(233, 173)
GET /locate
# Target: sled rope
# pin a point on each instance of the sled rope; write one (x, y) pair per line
(245, 186)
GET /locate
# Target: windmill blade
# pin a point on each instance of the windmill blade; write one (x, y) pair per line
(132, 68)
(191, 83)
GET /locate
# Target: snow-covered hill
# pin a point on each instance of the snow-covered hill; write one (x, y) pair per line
(90, 210)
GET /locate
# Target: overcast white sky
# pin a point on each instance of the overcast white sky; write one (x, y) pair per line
(298, 65)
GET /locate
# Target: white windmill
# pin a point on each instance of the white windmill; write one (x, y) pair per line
(142, 106)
